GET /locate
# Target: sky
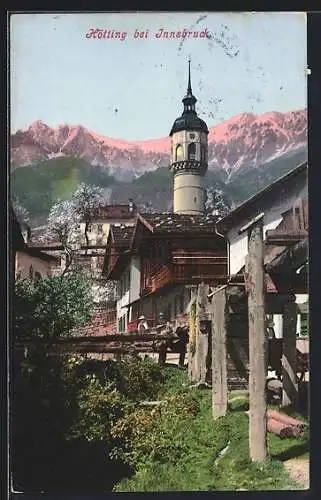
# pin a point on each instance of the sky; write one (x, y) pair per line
(132, 89)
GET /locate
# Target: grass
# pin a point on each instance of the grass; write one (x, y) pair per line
(202, 467)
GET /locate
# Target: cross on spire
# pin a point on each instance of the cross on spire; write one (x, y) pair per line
(189, 86)
(189, 100)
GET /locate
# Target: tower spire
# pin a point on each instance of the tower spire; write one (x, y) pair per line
(189, 100)
(189, 86)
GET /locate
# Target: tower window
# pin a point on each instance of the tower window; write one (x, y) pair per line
(191, 151)
(179, 152)
(195, 199)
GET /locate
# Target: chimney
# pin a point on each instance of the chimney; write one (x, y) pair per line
(131, 205)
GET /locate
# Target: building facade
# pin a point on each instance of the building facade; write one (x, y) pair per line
(159, 262)
(284, 204)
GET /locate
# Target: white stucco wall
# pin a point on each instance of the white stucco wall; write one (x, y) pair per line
(134, 278)
(131, 292)
(273, 210)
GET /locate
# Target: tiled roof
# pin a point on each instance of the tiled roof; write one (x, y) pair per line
(114, 211)
(122, 235)
(168, 222)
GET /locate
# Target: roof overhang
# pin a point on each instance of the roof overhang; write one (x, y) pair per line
(239, 213)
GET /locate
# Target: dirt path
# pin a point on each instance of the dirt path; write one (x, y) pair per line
(299, 471)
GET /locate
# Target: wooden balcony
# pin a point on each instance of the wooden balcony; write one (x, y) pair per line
(193, 273)
(133, 325)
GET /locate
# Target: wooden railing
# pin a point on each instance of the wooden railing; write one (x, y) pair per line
(189, 273)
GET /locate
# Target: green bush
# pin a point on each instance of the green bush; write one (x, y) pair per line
(99, 409)
(154, 435)
(51, 306)
(138, 378)
(239, 403)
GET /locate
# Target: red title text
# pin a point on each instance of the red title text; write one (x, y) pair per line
(112, 34)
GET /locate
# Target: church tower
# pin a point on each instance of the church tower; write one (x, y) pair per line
(189, 157)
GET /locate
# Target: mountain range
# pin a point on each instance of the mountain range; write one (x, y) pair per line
(247, 149)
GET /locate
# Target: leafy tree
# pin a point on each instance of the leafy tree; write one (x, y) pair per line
(104, 292)
(217, 202)
(86, 199)
(21, 212)
(147, 208)
(50, 307)
(63, 225)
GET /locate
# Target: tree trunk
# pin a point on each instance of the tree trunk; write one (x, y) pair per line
(69, 259)
(87, 222)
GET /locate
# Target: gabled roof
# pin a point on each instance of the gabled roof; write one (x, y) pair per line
(232, 217)
(121, 236)
(107, 212)
(36, 252)
(168, 222)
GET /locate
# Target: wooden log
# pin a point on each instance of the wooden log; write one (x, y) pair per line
(255, 279)
(151, 403)
(219, 357)
(287, 262)
(128, 337)
(289, 369)
(285, 419)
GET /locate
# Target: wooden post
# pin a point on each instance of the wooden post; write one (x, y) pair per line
(162, 353)
(202, 341)
(182, 354)
(289, 377)
(192, 336)
(219, 371)
(255, 281)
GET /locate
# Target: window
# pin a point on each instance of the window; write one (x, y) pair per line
(99, 228)
(191, 151)
(192, 136)
(30, 272)
(179, 153)
(195, 199)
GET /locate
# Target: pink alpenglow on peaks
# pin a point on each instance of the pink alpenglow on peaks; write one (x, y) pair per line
(245, 139)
